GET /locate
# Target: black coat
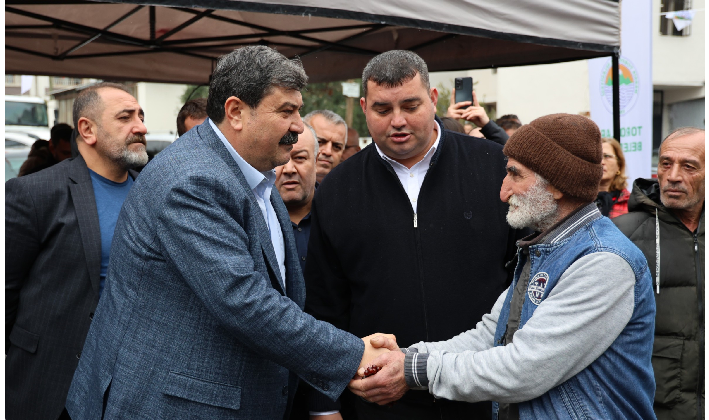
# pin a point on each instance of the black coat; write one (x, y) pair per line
(678, 349)
(52, 274)
(370, 269)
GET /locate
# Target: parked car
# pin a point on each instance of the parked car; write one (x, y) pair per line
(28, 115)
(157, 142)
(17, 147)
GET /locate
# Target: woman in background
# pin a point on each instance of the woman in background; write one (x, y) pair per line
(612, 193)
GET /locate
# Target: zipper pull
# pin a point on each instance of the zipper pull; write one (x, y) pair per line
(416, 220)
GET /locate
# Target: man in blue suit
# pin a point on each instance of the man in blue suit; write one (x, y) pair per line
(202, 312)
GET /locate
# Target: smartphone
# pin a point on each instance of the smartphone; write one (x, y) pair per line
(463, 89)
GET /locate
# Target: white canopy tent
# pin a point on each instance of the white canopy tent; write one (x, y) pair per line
(179, 40)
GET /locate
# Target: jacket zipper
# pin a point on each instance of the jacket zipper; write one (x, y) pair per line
(419, 253)
(700, 303)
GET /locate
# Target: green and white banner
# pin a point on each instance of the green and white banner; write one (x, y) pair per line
(635, 89)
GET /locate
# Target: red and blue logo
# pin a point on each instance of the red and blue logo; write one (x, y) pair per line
(537, 286)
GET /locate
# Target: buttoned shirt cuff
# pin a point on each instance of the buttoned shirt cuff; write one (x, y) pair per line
(415, 370)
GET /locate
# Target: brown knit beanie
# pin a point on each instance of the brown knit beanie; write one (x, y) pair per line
(564, 149)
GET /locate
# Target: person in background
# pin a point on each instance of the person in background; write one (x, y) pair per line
(510, 123)
(474, 113)
(666, 221)
(352, 146)
(192, 113)
(332, 138)
(452, 125)
(60, 142)
(59, 226)
(613, 196)
(39, 157)
(44, 154)
(295, 182)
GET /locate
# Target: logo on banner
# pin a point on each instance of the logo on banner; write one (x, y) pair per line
(536, 287)
(629, 85)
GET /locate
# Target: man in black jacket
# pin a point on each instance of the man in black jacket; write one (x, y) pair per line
(426, 256)
(666, 221)
(58, 229)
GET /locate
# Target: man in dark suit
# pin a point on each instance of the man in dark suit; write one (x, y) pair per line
(202, 315)
(58, 229)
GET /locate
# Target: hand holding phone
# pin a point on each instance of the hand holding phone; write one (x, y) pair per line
(467, 107)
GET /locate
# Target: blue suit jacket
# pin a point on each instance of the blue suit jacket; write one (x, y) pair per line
(194, 321)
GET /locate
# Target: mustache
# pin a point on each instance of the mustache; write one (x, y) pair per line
(674, 186)
(137, 138)
(289, 138)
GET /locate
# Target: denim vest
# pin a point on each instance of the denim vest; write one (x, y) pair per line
(619, 384)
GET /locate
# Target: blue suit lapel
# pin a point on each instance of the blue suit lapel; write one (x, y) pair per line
(267, 245)
(264, 235)
(82, 196)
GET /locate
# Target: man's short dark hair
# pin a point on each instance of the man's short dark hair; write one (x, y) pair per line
(393, 68)
(195, 109)
(60, 132)
(509, 121)
(88, 102)
(249, 73)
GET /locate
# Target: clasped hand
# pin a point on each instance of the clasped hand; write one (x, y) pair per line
(389, 384)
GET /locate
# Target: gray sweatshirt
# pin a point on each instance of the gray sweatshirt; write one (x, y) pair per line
(585, 312)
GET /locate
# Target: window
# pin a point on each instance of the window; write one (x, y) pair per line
(11, 144)
(667, 27)
(12, 80)
(66, 81)
(26, 113)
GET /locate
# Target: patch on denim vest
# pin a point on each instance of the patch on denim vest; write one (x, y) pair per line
(536, 288)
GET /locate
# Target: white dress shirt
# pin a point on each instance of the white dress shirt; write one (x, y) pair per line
(411, 179)
(261, 184)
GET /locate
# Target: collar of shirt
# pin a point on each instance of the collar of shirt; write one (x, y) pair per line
(565, 227)
(427, 158)
(258, 181)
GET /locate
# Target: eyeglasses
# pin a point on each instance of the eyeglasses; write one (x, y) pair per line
(608, 157)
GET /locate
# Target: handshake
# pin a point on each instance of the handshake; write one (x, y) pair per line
(380, 377)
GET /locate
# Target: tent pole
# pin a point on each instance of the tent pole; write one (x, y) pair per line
(616, 96)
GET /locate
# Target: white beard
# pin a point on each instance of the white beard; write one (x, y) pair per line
(535, 209)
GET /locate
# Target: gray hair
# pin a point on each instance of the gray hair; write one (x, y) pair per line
(88, 103)
(329, 116)
(393, 68)
(249, 73)
(315, 138)
(681, 132)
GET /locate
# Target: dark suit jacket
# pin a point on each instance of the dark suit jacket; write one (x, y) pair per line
(52, 269)
(195, 321)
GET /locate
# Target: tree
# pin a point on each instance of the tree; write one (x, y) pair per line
(444, 99)
(328, 95)
(202, 91)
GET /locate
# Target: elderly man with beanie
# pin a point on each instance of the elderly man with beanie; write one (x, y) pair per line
(572, 336)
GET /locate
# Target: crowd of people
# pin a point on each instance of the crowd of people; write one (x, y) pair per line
(263, 266)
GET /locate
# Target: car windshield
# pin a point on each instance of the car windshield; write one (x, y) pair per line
(25, 113)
